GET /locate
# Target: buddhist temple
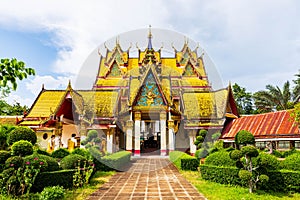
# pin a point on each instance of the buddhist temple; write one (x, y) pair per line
(148, 103)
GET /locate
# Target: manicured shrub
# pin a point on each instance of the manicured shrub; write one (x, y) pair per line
(278, 154)
(183, 161)
(14, 162)
(71, 161)
(52, 164)
(82, 152)
(53, 193)
(292, 162)
(22, 133)
(62, 178)
(201, 153)
(4, 155)
(219, 158)
(267, 161)
(289, 152)
(4, 132)
(249, 151)
(43, 152)
(235, 154)
(223, 175)
(190, 163)
(116, 161)
(22, 148)
(60, 153)
(244, 137)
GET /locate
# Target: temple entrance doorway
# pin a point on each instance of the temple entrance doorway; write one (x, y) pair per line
(150, 138)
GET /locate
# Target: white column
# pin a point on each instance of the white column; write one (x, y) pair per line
(129, 126)
(109, 141)
(137, 133)
(163, 133)
(171, 135)
(192, 136)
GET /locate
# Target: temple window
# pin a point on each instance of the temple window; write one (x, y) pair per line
(284, 144)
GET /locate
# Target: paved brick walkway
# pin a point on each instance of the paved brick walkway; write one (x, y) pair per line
(148, 178)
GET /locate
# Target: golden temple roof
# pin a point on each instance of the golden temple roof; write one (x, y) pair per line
(46, 103)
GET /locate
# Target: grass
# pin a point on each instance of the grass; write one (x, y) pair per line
(216, 191)
(97, 181)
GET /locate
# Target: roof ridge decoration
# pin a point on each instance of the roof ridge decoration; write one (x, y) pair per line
(154, 95)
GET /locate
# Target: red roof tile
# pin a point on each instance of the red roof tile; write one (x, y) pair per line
(269, 125)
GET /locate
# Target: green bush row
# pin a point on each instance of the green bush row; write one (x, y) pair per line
(279, 180)
(220, 174)
(116, 161)
(184, 161)
(62, 178)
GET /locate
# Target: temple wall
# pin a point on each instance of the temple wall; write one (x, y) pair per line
(67, 132)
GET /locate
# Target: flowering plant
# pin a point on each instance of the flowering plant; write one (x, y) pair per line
(82, 175)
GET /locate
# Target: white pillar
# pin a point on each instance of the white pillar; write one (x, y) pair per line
(171, 135)
(129, 126)
(163, 134)
(109, 141)
(192, 136)
(137, 133)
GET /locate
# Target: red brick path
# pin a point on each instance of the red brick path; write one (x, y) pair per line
(148, 178)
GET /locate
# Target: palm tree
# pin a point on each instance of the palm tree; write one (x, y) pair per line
(274, 98)
(296, 90)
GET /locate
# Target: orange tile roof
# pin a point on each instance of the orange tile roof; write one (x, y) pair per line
(269, 125)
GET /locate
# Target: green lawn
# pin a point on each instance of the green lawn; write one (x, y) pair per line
(97, 181)
(216, 191)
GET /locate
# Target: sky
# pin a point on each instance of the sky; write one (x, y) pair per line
(251, 42)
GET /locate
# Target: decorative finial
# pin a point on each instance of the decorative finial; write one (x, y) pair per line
(43, 86)
(99, 53)
(149, 38)
(69, 85)
(129, 46)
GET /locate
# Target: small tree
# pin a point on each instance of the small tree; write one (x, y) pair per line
(92, 139)
(22, 133)
(247, 173)
(200, 138)
(22, 148)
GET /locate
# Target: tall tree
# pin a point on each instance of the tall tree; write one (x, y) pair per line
(296, 89)
(243, 99)
(274, 98)
(12, 70)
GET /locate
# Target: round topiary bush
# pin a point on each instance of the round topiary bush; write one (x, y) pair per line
(22, 133)
(219, 158)
(292, 162)
(22, 148)
(47, 163)
(51, 193)
(244, 137)
(250, 151)
(235, 154)
(92, 134)
(201, 153)
(71, 161)
(245, 175)
(4, 155)
(268, 161)
(82, 152)
(14, 162)
(60, 153)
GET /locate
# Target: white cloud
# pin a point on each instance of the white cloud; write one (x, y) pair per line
(250, 41)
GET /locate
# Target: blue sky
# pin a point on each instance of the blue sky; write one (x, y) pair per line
(251, 42)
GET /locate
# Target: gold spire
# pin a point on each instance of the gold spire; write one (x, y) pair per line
(149, 38)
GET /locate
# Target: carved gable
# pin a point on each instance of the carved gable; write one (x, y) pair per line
(150, 94)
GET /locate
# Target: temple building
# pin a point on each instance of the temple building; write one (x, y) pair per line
(142, 104)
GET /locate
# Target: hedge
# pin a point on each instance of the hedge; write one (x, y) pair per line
(62, 178)
(223, 175)
(220, 158)
(184, 161)
(279, 180)
(116, 161)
